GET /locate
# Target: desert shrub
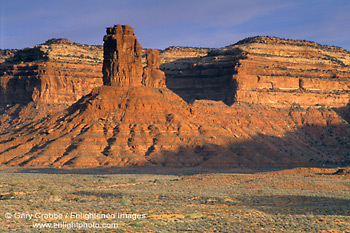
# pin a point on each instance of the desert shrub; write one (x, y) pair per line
(9, 196)
(156, 181)
(180, 175)
(125, 199)
(136, 224)
(132, 180)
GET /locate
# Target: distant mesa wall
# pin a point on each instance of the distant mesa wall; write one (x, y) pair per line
(47, 83)
(282, 81)
(261, 70)
(56, 72)
(267, 71)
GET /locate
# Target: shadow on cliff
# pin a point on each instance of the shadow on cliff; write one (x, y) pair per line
(309, 146)
(208, 77)
(224, 89)
(344, 112)
(27, 55)
(22, 87)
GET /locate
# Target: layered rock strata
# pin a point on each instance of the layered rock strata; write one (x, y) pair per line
(57, 72)
(48, 82)
(262, 70)
(44, 79)
(134, 120)
(266, 70)
(281, 73)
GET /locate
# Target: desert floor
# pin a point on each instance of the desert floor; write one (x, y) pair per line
(173, 200)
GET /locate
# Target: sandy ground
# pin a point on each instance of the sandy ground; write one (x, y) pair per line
(173, 200)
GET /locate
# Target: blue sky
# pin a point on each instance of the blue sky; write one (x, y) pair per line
(163, 23)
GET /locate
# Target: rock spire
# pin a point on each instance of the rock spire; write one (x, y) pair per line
(152, 75)
(122, 57)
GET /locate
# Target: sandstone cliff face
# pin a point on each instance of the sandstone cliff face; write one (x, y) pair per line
(47, 82)
(45, 79)
(122, 57)
(267, 70)
(281, 72)
(58, 71)
(261, 70)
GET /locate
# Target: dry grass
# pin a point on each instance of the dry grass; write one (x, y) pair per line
(299, 200)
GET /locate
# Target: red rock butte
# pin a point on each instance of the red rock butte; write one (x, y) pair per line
(262, 102)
